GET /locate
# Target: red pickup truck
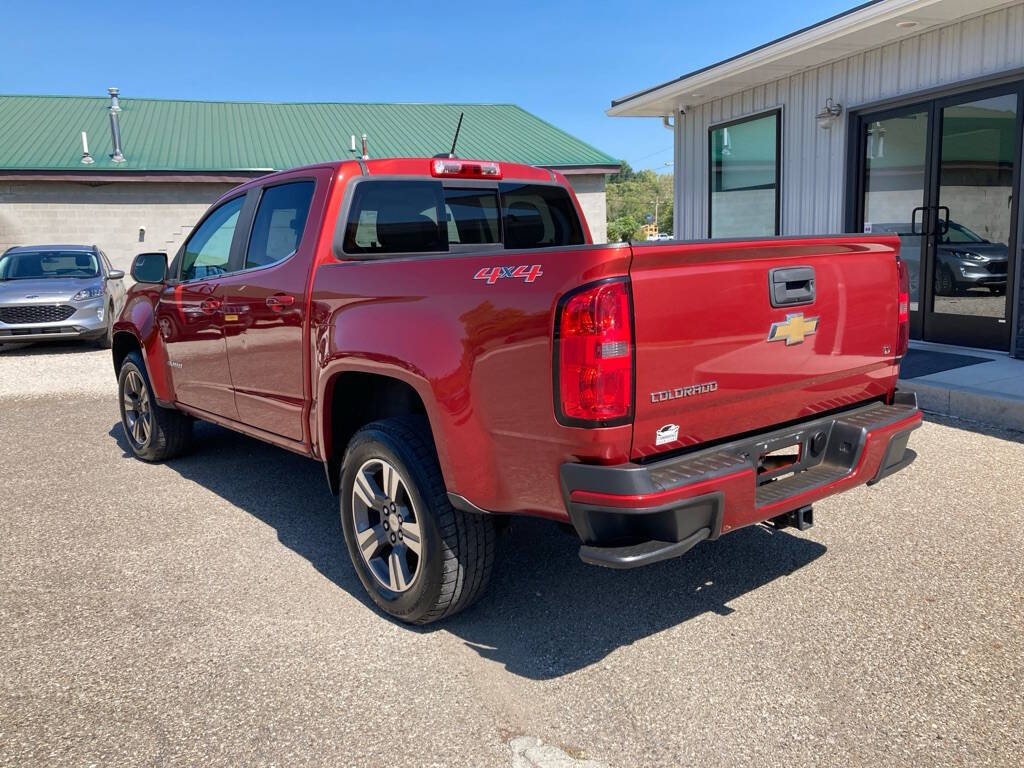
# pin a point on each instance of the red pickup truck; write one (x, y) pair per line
(445, 338)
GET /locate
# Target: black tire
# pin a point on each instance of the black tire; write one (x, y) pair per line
(168, 432)
(106, 341)
(457, 548)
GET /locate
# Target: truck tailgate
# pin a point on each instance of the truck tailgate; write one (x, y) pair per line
(715, 358)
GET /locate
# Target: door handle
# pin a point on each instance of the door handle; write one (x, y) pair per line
(791, 286)
(943, 222)
(280, 301)
(209, 306)
(913, 220)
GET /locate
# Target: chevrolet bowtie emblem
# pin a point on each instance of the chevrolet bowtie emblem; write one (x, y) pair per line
(793, 329)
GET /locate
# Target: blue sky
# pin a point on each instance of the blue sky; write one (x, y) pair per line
(564, 61)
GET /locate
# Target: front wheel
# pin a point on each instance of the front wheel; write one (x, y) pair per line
(153, 433)
(419, 558)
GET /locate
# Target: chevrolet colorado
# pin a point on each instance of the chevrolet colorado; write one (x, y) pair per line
(445, 338)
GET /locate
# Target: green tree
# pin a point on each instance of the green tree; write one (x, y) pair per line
(633, 196)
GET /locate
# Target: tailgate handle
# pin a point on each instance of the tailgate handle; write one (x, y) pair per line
(791, 286)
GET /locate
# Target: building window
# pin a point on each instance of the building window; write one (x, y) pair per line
(744, 184)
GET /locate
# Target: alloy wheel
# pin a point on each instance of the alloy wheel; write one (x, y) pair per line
(387, 527)
(138, 414)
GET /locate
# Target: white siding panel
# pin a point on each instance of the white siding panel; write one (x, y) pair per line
(813, 160)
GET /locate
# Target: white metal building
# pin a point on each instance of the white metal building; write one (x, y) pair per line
(897, 116)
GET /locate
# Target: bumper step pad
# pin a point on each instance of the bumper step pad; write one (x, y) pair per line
(622, 524)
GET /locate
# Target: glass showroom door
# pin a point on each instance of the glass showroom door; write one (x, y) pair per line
(942, 175)
(894, 154)
(977, 158)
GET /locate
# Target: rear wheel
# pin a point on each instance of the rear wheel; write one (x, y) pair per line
(153, 433)
(419, 558)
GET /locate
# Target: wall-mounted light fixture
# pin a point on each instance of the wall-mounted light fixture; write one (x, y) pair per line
(828, 115)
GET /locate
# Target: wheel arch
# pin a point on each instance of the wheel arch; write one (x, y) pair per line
(353, 398)
(123, 344)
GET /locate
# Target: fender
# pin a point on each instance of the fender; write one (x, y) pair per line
(478, 354)
(360, 345)
(138, 317)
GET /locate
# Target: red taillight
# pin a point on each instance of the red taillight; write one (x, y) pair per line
(465, 169)
(903, 309)
(594, 351)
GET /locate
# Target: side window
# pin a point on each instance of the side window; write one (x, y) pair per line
(395, 217)
(208, 250)
(280, 220)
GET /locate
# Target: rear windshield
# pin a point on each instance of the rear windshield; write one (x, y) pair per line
(33, 265)
(427, 217)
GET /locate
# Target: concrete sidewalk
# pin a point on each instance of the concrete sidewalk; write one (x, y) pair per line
(991, 392)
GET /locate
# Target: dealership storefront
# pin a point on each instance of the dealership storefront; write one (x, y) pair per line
(900, 116)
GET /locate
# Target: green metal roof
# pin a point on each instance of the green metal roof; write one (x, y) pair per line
(44, 133)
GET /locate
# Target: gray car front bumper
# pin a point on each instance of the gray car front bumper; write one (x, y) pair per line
(85, 320)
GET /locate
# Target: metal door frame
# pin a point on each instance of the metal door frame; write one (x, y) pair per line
(925, 323)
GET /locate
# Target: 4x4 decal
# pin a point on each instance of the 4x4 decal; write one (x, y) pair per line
(523, 272)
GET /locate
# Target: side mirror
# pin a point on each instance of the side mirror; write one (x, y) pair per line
(115, 274)
(150, 268)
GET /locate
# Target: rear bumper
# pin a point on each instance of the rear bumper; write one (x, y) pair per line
(631, 514)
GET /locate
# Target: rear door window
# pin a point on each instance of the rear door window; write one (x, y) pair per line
(538, 216)
(280, 220)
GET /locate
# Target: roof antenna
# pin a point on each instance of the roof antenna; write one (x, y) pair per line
(456, 139)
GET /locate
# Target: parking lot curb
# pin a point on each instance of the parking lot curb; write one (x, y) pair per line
(962, 402)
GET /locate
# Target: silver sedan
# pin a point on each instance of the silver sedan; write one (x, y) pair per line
(58, 292)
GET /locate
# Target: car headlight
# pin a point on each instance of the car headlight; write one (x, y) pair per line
(88, 293)
(970, 256)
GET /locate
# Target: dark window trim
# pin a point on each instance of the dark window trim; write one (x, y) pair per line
(777, 112)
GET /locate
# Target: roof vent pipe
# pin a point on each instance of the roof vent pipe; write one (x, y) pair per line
(366, 155)
(115, 126)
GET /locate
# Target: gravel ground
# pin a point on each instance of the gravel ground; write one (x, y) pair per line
(203, 612)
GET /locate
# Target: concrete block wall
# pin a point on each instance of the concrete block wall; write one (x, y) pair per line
(590, 191)
(107, 214)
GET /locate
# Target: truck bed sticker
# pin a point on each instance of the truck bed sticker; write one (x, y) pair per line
(522, 272)
(667, 434)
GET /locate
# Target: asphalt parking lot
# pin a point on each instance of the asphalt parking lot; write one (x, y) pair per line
(204, 612)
